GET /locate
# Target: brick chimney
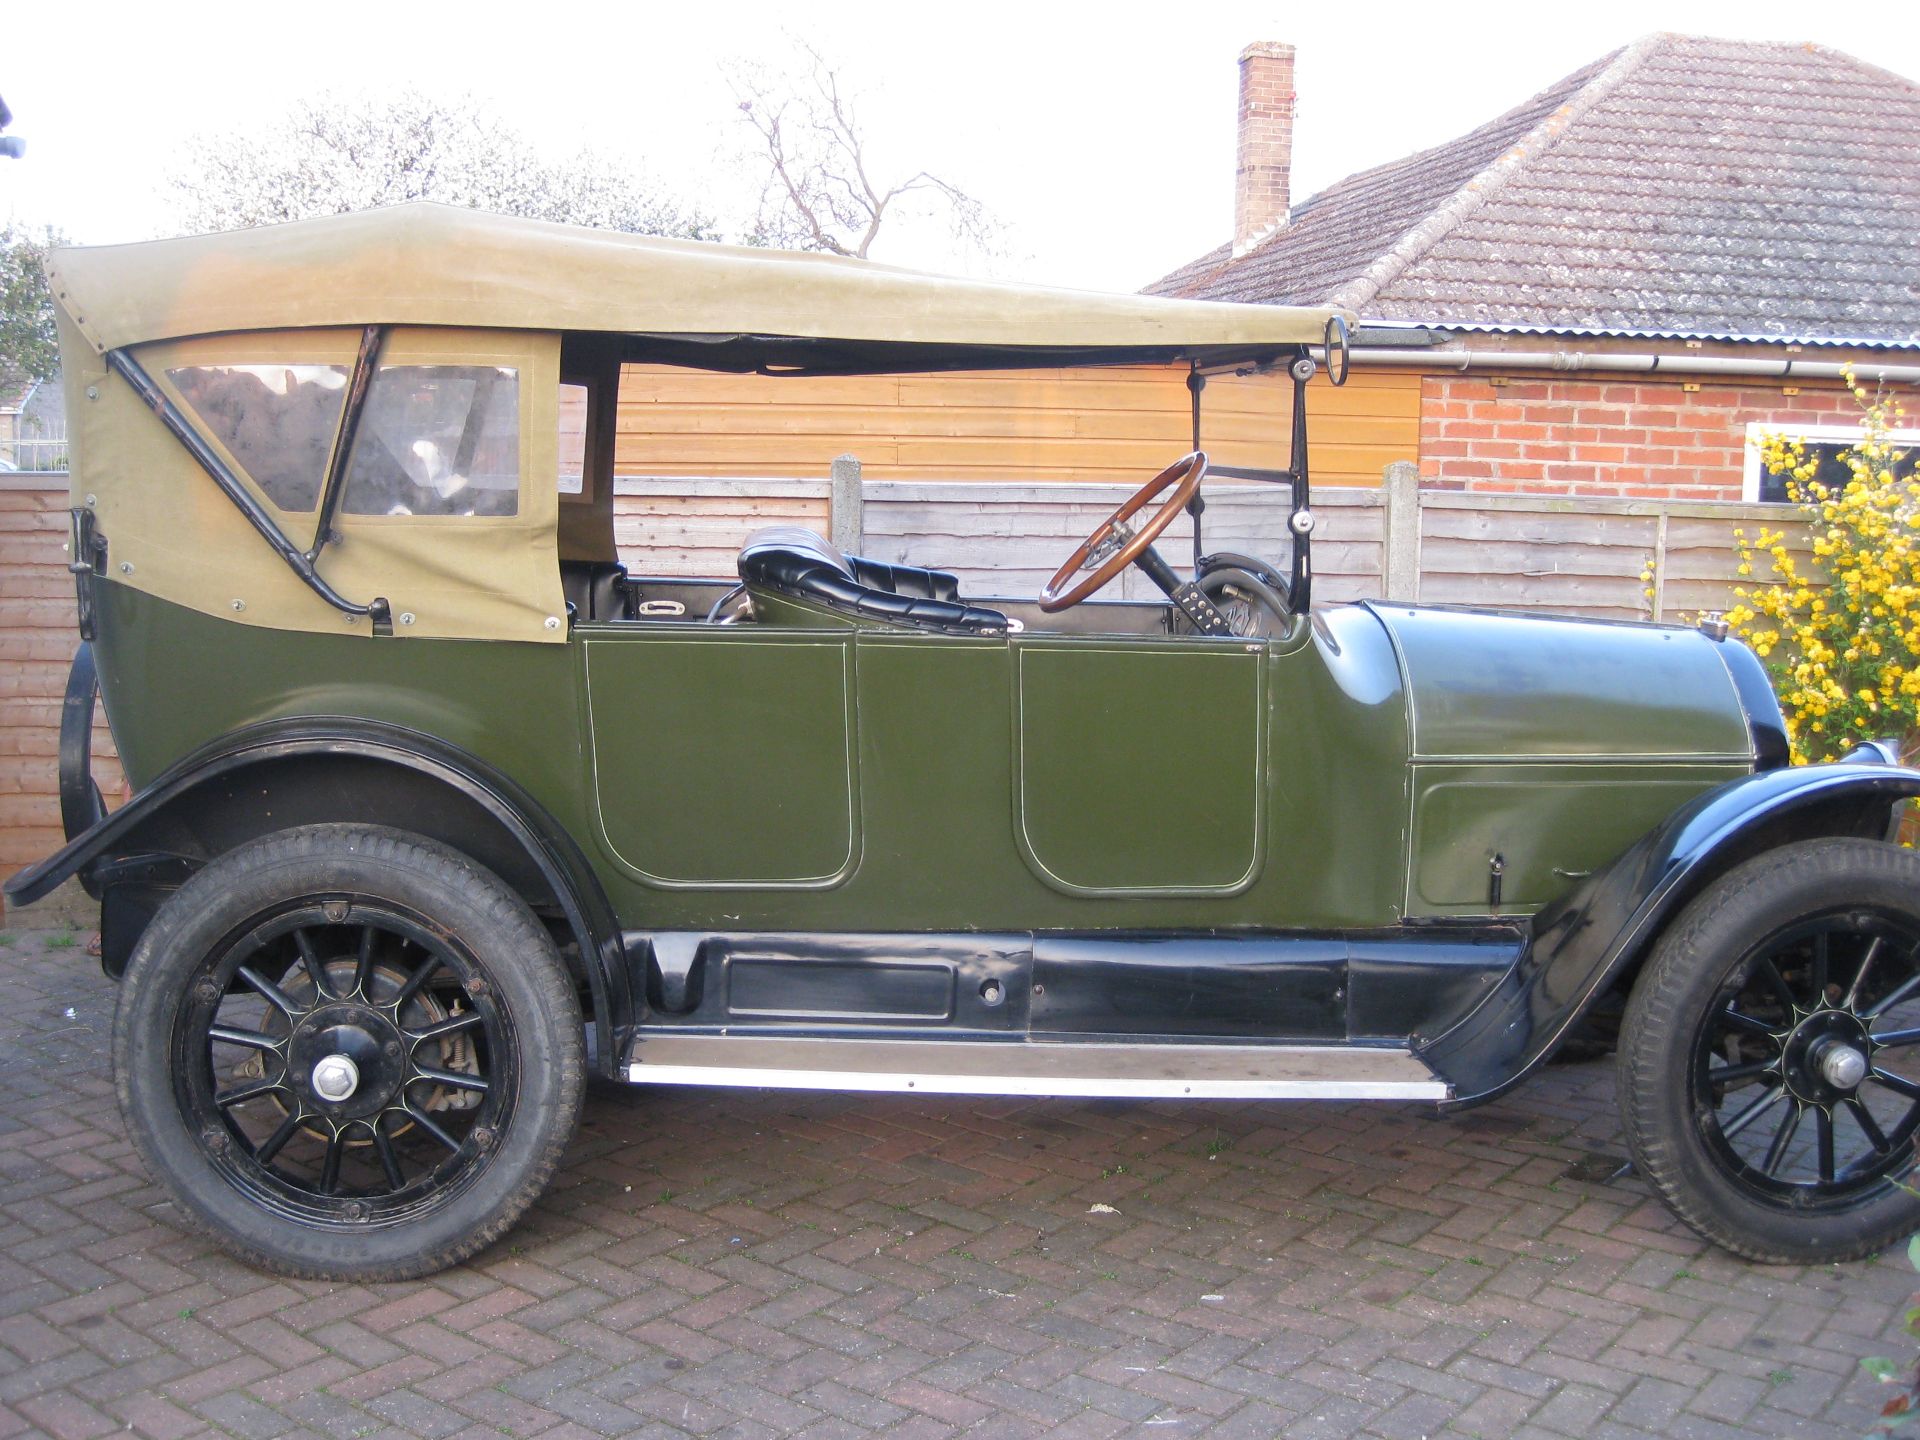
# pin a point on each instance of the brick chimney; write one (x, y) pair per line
(1266, 143)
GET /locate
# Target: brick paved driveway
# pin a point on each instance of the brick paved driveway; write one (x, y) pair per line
(744, 1264)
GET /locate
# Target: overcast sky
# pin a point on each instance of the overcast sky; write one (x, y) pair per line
(1101, 134)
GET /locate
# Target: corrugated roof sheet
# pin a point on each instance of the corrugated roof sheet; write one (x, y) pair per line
(1682, 186)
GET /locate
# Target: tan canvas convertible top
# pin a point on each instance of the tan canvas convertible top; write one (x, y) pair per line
(288, 304)
(441, 265)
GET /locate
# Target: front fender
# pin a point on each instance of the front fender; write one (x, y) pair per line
(154, 829)
(1585, 942)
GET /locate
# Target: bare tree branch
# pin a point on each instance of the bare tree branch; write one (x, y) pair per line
(820, 190)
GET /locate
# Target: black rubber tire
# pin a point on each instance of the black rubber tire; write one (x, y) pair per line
(1670, 1003)
(488, 919)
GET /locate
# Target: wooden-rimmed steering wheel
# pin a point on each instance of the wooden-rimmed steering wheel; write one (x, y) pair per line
(1115, 544)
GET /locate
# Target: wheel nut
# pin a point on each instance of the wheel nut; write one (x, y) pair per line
(335, 1078)
(1843, 1067)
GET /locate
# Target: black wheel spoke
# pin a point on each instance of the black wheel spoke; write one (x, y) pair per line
(427, 1074)
(1817, 970)
(1899, 1084)
(363, 964)
(1869, 1127)
(239, 1035)
(422, 973)
(1860, 976)
(389, 1162)
(330, 1169)
(1776, 982)
(1894, 1038)
(1746, 1070)
(1823, 1122)
(1738, 1020)
(1782, 1138)
(310, 962)
(270, 1147)
(240, 1094)
(1753, 1111)
(275, 996)
(1904, 991)
(427, 1123)
(464, 1020)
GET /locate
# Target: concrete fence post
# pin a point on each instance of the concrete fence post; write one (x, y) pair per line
(1400, 531)
(846, 520)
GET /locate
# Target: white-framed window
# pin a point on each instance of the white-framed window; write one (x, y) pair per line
(1824, 443)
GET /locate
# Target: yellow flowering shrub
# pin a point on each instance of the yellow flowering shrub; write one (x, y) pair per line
(1841, 637)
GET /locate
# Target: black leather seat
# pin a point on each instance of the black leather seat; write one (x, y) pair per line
(793, 561)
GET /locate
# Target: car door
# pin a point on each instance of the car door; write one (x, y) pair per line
(1140, 764)
(721, 757)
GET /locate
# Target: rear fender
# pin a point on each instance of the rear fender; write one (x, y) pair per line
(1585, 943)
(285, 774)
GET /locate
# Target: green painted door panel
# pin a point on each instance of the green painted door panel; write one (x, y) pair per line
(1140, 768)
(724, 761)
(1550, 825)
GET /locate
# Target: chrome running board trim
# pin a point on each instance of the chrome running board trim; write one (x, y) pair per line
(1064, 1068)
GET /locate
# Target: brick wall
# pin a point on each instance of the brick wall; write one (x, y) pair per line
(1554, 435)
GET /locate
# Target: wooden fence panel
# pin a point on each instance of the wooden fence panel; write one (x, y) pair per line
(695, 528)
(37, 640)
(1008, 539)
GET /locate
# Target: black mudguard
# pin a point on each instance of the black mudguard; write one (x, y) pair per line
(140, 846)
(1583, 944)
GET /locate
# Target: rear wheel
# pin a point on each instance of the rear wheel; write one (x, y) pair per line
(348, 1053)
(1770, 1058)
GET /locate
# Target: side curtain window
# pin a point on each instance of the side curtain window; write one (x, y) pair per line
(277, 421)
(437, 440)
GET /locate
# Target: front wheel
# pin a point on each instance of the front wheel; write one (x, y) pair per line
(1770, 1055)
(348, 1053)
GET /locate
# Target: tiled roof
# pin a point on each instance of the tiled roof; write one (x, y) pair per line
(1696, 186)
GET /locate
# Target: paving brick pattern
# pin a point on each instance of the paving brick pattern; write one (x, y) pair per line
(746, 1264)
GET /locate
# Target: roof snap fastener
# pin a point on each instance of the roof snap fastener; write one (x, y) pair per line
(406, 617)
(239, 604)
(126, 567)
(553, 622)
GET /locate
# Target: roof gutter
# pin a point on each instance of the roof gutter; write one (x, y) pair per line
(1784, 368)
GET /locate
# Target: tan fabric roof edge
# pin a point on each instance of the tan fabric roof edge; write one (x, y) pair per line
(425, 264)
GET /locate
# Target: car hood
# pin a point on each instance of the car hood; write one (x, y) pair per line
(1484, 684)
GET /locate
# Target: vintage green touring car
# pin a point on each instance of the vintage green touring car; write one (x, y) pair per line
(438, 810)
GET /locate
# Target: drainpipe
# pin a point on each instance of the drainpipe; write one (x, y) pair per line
(1794, 368)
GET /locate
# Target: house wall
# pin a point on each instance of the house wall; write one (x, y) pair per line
(1036, 427)
(1581, 435)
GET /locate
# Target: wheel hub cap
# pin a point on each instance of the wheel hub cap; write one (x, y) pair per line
(348, 1060)
(335, 1078)
(1825, 1057)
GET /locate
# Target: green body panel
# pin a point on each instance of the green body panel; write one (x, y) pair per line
(1513, 686)
(871, 779)
(1548, 825)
